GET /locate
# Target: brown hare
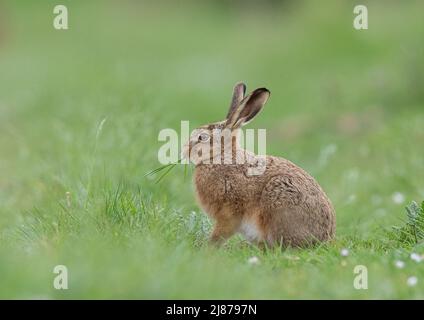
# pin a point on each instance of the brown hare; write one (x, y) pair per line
(282, 205)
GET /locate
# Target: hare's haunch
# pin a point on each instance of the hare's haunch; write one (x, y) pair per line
(280, 204)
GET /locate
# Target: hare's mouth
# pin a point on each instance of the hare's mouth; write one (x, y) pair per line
(187, 153)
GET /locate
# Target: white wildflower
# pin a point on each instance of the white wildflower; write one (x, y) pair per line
(399, 264)
(344, 252)
(253, 260)
(398, 198)
(412, 281)
(416, 257)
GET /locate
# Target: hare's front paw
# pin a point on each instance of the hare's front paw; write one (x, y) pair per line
(222, 231)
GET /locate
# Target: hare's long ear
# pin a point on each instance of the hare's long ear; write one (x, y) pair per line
(249, 108)
(238, 95)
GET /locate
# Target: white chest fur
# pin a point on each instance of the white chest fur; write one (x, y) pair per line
(250, 231)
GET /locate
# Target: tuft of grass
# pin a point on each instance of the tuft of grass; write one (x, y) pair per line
(411, 233)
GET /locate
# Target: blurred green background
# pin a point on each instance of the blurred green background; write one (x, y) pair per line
(80, 111)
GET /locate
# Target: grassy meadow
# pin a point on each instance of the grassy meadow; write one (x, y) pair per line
(80, 113)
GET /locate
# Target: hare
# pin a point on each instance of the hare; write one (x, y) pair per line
(282, 205)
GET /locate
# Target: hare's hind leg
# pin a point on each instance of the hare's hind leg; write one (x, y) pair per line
(283, 216)
(291, 227)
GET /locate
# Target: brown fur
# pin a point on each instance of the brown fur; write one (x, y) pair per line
(284, 205)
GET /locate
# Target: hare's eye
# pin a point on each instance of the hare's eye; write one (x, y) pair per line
(203, 137)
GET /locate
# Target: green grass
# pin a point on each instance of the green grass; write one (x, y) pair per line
(81, 110)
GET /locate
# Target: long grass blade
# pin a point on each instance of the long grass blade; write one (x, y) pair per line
(152, 172)
(168, 168)
(172, 166)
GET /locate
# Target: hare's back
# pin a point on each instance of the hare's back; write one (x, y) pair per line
(289, 185)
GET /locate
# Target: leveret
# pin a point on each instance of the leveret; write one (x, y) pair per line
(282, 205)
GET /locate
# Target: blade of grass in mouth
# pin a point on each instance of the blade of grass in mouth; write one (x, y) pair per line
(172, 166)
(152, 172)
(168, 166)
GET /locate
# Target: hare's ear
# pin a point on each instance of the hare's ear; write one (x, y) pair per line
(238, 95)
(249, 107)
